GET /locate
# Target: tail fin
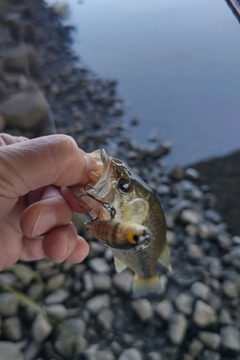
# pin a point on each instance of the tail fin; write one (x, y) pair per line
(141, 286)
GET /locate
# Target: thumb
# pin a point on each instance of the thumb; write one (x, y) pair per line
(32, 164)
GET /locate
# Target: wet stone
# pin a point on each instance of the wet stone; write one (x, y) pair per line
(56, 282)
(213, 216)
(11, 329)
(230, 289)
(191, 216)
(105, 318)
(57, 296)
(130, 354)
(102, 282)
(184, 303)
(41, 328)
(154, 356)
(99, 265)
(97, 303)
(123, 281)
(164, 309)
(8, 304)
(56, 311)
(195, 348)
(194, 252)
(10, 351)
(143, 309)
(230, 338)
(204, 314)
(211, 355)
(200, 290)
(209, 339)
(177, 328)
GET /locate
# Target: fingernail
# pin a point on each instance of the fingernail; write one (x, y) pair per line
(91, 164)
(45, 222)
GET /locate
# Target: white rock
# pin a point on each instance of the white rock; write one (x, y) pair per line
(57, 296)
(123, 281)
(191, 216)
(184, 303)
(99, 265)
(200, 290)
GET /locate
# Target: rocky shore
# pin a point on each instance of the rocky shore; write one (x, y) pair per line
(87, 311)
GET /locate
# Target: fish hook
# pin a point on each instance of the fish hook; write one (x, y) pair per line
(107, 206)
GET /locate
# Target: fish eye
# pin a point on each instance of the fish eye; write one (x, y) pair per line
(124, 185)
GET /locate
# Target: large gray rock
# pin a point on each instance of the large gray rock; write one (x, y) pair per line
(10, 351)
(21, 58)
(230, 338)
(27, 110)
(177, 328)
(204, 314)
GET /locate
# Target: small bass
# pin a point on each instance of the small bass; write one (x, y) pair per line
(127, 217)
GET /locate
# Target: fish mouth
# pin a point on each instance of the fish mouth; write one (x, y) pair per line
(100, 180)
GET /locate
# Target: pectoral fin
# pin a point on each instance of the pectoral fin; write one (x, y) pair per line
(136, 211)
(119, 265)
(164, 258)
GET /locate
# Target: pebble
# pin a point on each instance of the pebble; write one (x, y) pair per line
(194, 252)
(195, 348)
(215, 268)
(204, 314)
(123, 281)
(224, 240)
(99, 265)
(130, 354)
(225, 317)
(184, 303)
(213, 216)
(105, 318)
(56, 311)
(97, 303)
(211, 355)
(143, 309)
(11, 329)
(200, 290)
(230, 338)
(56, 297)
(102, 282)
(177, 173)
(41, 328)
(154, 356)
(76, 326)
(211, 340)
(56, 281)
(177, 328)
(10, 351)
(8, 304)
(163, 189)
(64, 345)
(192, 174)
(164, 309)
(230, 289)
(190, 216)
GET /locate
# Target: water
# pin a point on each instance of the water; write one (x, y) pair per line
(177, 63)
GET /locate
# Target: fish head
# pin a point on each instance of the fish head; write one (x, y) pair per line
(114, 183)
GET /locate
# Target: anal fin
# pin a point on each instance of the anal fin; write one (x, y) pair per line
(119, 265)
(164, 258)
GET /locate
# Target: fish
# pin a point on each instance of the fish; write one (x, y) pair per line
(127, 217)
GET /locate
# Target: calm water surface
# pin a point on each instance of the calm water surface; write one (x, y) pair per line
(178, 67)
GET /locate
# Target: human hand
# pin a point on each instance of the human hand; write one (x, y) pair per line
(35, 208)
